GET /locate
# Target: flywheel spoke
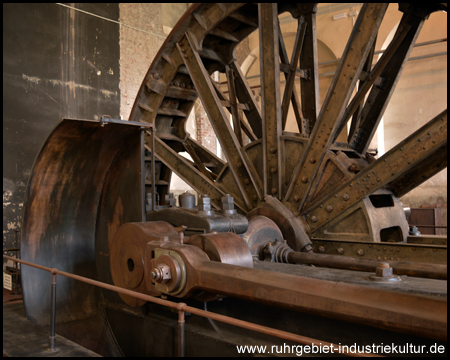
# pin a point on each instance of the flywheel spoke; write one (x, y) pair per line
(237, 161)
(380, 95)
(309, 63)
(400, 163)
(270, 98)
(372, 77)
(350, 67)
(245, 96)
(290, 93)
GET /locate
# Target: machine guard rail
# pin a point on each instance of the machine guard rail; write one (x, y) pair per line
(180, 307)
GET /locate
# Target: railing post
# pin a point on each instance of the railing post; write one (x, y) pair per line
(53, 313)
(181, 329)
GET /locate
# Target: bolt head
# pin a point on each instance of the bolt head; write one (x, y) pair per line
(313, 218)
(274, 190)
(247, 181)
(321, 249)
(360, 252)
(273, 170)
(273, 150)
(383, 272)
(340, 251)
(304, 179)
(329, 208)
(346, 197)
(297, 198)
(227, 198)
(312, 160)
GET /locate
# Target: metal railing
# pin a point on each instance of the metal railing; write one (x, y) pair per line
(182, 308)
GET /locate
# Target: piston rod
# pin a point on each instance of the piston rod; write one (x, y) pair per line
(401, 312)
(432, 271)
(412, 314)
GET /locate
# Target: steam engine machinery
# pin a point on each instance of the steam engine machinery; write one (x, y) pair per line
(294, 231)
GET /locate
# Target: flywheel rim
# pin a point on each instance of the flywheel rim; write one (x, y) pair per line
(187, 53)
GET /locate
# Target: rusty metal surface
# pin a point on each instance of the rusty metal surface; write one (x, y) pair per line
(127, 250)
(431, 271)
(270, 98)
(378, 218)
(81, 193)
(261, 230)
(428, 217)
(227, 248)
(291, 227)
(347, 74)
(421, 144)
(415, 252)
(203, 42)
(193, 220)
(406, 313)
(60, 211)
(182, 308)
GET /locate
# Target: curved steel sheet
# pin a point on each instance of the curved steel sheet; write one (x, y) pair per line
(61, 210)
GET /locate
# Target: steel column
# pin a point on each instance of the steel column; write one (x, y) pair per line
(53, 314)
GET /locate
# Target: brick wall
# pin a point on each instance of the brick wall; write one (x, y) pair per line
(140, 40)
(204, 131)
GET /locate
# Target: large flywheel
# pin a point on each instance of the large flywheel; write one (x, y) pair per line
(277, 197)
(321, 187)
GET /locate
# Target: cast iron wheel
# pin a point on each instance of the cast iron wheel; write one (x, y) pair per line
(317, 179)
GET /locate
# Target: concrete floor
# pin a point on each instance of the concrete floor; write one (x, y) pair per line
(23, 338)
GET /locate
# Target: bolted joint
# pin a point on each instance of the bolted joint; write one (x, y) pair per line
(228, 205)
(161, 274)
(204, 205)
(384, 270)
(384, 273)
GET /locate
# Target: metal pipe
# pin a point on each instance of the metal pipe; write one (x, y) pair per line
(226, 319)
(152, 176)
(143, 197)
(53, 314)
(431, 271)
(181, 336)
